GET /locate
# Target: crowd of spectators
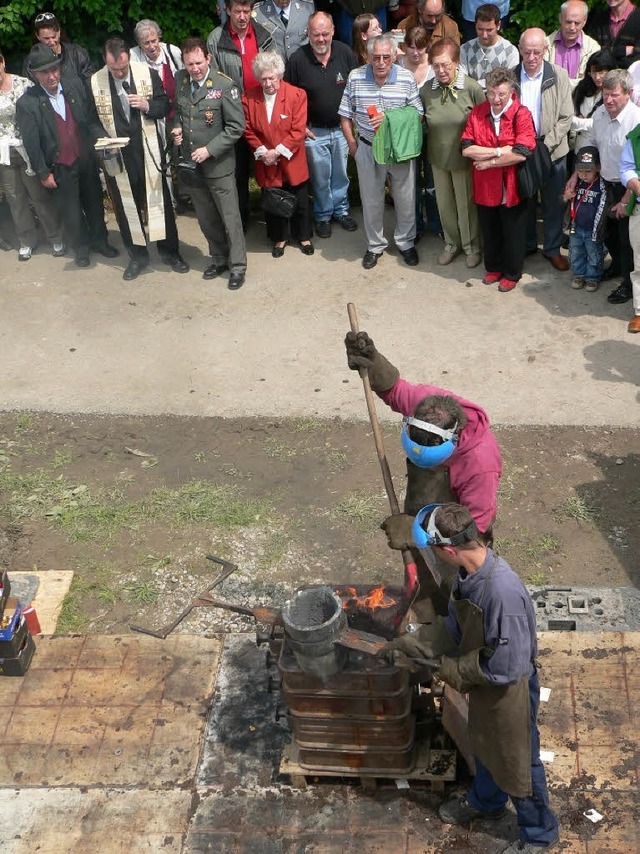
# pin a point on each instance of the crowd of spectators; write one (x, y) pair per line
(439, 115)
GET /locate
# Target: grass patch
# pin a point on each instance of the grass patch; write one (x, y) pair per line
(142, 592)
(100, 515)
(537, 578)
(513, 484)
(25, 421)
(308, 425)
(72, 617)
(547, 543)
(359, 508)
(579, 509)
(278, 450)
(337, 460)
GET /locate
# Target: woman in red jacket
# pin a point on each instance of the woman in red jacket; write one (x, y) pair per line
(500, 134)
(276, 117)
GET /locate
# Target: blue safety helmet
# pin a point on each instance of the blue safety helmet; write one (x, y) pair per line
(428, 456)
(429, 535)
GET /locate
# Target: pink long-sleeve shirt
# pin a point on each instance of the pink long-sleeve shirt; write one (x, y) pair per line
(475, 466)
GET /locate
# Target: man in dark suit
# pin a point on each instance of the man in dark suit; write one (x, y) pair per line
(287, 22)
(209, 120)
(130, 100)
(59, 126)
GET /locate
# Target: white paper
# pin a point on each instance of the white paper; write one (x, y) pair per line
(545, 693)
(546, 755)
(593, 815)
(402, 784)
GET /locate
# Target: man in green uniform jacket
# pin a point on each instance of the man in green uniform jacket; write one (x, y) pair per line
(208, 122)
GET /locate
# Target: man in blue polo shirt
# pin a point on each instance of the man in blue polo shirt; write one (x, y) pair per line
(371, 89)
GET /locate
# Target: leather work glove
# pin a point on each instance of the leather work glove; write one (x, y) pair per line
(430, 640)
(464, 673)
(362, 353)
(398, 529)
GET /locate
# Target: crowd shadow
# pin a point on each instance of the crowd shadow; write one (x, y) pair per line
(614, 361)
(615, 498)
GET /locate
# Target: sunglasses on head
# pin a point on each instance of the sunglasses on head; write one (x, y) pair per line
(45, 16)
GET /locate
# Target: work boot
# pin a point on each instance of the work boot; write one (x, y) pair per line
(460, 811)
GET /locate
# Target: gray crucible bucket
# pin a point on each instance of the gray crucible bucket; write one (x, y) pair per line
(313, 620)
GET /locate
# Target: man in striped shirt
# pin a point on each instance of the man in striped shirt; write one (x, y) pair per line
(371, 89)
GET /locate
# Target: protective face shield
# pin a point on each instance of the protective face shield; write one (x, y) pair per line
(428, 456)
(431, 536)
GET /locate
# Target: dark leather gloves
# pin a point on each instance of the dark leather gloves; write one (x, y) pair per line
(362, 353)
(464, 673)
(428, 641)
(398, 531)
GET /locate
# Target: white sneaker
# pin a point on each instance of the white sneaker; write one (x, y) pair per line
(24, 253)
(591, 285)
(59, 249)
(578, 283)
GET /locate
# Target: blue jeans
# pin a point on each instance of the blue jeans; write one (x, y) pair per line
(536, 822)
(586, 255)
(327, 158)
(552, 209)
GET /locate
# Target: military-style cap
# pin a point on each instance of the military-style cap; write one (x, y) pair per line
(42, 58)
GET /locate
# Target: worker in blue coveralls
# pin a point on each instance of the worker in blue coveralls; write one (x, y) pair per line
(486, 646)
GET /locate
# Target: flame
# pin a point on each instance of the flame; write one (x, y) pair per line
(371, 601)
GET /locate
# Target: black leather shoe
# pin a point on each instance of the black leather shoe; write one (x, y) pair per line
(621, 294)
(82, 259)
(370, 260)
(178, 264)
(410, 257)
(105, 249)
(611, 273)
(347, 222)
(134, 268)
(323, 229)
(236, 280)
(277, 252)
(307, 248)
(214, 270)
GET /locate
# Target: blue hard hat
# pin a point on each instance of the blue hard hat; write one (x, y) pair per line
(428, 456)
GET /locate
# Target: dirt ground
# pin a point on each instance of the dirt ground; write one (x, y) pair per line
(134, 504)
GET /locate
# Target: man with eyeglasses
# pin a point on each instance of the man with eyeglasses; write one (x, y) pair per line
(372, 89)
(545, 90)
(74, 60)
(430, 14)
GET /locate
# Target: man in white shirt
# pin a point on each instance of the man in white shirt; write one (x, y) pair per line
(546, 91)
(489, 50)
(569, 47)
(612, 121)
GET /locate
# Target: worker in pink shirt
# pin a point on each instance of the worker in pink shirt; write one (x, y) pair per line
(452, 453)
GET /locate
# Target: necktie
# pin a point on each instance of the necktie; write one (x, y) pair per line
(284, 18)
(125, 100)
(450, 92)
(194, 87)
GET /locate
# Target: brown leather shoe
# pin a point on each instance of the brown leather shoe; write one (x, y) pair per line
(559, 262)
(634, 324)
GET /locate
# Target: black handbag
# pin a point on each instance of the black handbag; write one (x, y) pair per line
(534, 173)
(278, 202)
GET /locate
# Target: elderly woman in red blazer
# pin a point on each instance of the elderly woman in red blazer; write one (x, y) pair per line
(276, 117)
(500, 134)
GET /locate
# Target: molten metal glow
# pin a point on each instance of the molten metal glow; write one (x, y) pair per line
(371, 601)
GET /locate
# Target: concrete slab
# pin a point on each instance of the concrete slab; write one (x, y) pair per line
(543, 354)
(94, 715)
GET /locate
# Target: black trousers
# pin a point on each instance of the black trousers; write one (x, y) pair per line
(616, 237)
(300, 222)
(504, 235)
(79, 201)
(134, 165)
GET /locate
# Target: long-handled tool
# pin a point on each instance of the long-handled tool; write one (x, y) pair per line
(200, 599)
(411, 584)
(411, 571)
